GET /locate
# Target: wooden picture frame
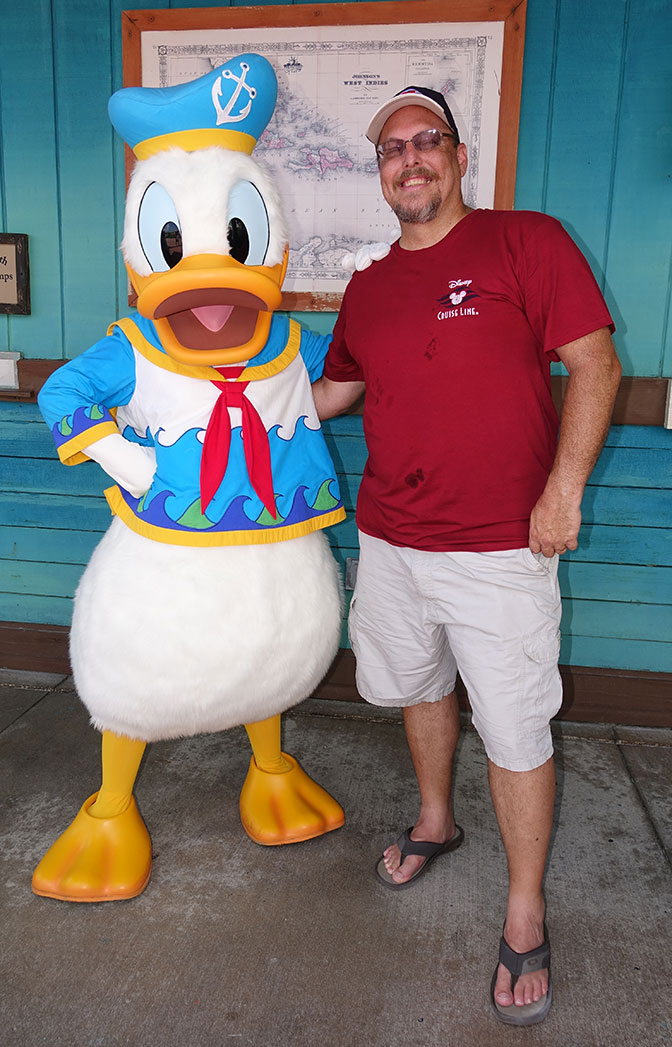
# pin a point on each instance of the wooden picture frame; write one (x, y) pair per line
(307, 19)
(14, 274)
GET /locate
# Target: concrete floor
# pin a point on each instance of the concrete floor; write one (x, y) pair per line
(298, 946)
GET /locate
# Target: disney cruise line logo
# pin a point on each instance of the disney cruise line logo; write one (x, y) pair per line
(453, 302)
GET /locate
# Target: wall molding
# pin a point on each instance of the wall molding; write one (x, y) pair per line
(640, 401)
(591, 695)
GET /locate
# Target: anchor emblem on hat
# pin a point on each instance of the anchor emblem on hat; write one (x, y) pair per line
(225, 115)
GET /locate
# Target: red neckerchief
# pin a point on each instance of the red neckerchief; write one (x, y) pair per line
(217, 443)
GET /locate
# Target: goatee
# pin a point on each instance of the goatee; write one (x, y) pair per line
(417, 213)
(420, 213)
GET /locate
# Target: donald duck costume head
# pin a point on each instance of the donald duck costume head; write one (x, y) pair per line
(213, 599)
(207, 267)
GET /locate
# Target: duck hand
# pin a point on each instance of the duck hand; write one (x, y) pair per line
(364, 256)
(131, 465)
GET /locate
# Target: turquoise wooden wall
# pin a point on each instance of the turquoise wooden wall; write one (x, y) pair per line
(594, 150)
(617, 607)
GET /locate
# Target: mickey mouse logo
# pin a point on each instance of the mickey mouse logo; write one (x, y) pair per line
(459, 291)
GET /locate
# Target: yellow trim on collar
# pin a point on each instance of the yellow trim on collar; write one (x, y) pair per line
(252, 373)
(121, 509)
(155, 356)
(201, 138)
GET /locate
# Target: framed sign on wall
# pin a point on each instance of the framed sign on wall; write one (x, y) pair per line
(335, 64)
(14, 273)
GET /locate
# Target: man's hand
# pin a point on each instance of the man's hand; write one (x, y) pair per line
(364, 256)
(332, 398)
(594, 375)
(554, 523)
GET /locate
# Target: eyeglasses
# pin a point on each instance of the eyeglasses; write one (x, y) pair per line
(423, 142)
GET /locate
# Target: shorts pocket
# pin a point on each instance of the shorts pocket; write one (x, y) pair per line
(539, 563)
(542, 647)
(351, 620)
(543, 687)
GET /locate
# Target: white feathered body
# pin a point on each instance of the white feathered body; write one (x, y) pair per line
(172, 640)
(169, 641)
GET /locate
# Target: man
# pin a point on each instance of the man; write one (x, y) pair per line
(469, 496)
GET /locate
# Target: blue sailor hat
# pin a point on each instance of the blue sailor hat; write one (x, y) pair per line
(229, 107)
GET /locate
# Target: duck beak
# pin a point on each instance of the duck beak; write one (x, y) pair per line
(210, 310)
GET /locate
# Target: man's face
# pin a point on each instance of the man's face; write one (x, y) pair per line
(418, 186)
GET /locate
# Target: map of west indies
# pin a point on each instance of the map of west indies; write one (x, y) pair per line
(331, 79)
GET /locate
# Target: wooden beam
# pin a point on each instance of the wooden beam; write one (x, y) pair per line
(36, 648)
(640, 401)
(591, 695)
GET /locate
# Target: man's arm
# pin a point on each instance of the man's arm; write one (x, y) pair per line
(594, 376)
(333, 398)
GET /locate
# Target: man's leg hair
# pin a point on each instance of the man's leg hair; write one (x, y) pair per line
(523, 802)
(432, 732)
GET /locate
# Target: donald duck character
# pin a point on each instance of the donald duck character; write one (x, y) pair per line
(213, 599)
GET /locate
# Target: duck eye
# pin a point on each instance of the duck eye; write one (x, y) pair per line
(239, 241)
(159, 229)
(248, 229)
(171, 243)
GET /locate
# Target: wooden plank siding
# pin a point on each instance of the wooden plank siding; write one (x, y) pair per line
(616, 586)
(593, 151)
(29, 171)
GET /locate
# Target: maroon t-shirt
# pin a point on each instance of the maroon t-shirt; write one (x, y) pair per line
(454, 344)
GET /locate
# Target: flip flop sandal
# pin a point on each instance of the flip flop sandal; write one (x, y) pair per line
(425, 848)
(518, 963)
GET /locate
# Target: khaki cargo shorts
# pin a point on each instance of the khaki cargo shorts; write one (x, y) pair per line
(417, 618)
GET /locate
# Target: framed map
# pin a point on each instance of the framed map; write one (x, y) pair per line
(335, 65)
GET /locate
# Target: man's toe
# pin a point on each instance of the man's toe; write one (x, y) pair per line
(503, 994)
(408, 868)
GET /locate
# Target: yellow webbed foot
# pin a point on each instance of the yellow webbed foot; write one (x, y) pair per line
(97, 859)
(286, 807)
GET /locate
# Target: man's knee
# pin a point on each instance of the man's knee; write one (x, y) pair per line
(515, 749)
